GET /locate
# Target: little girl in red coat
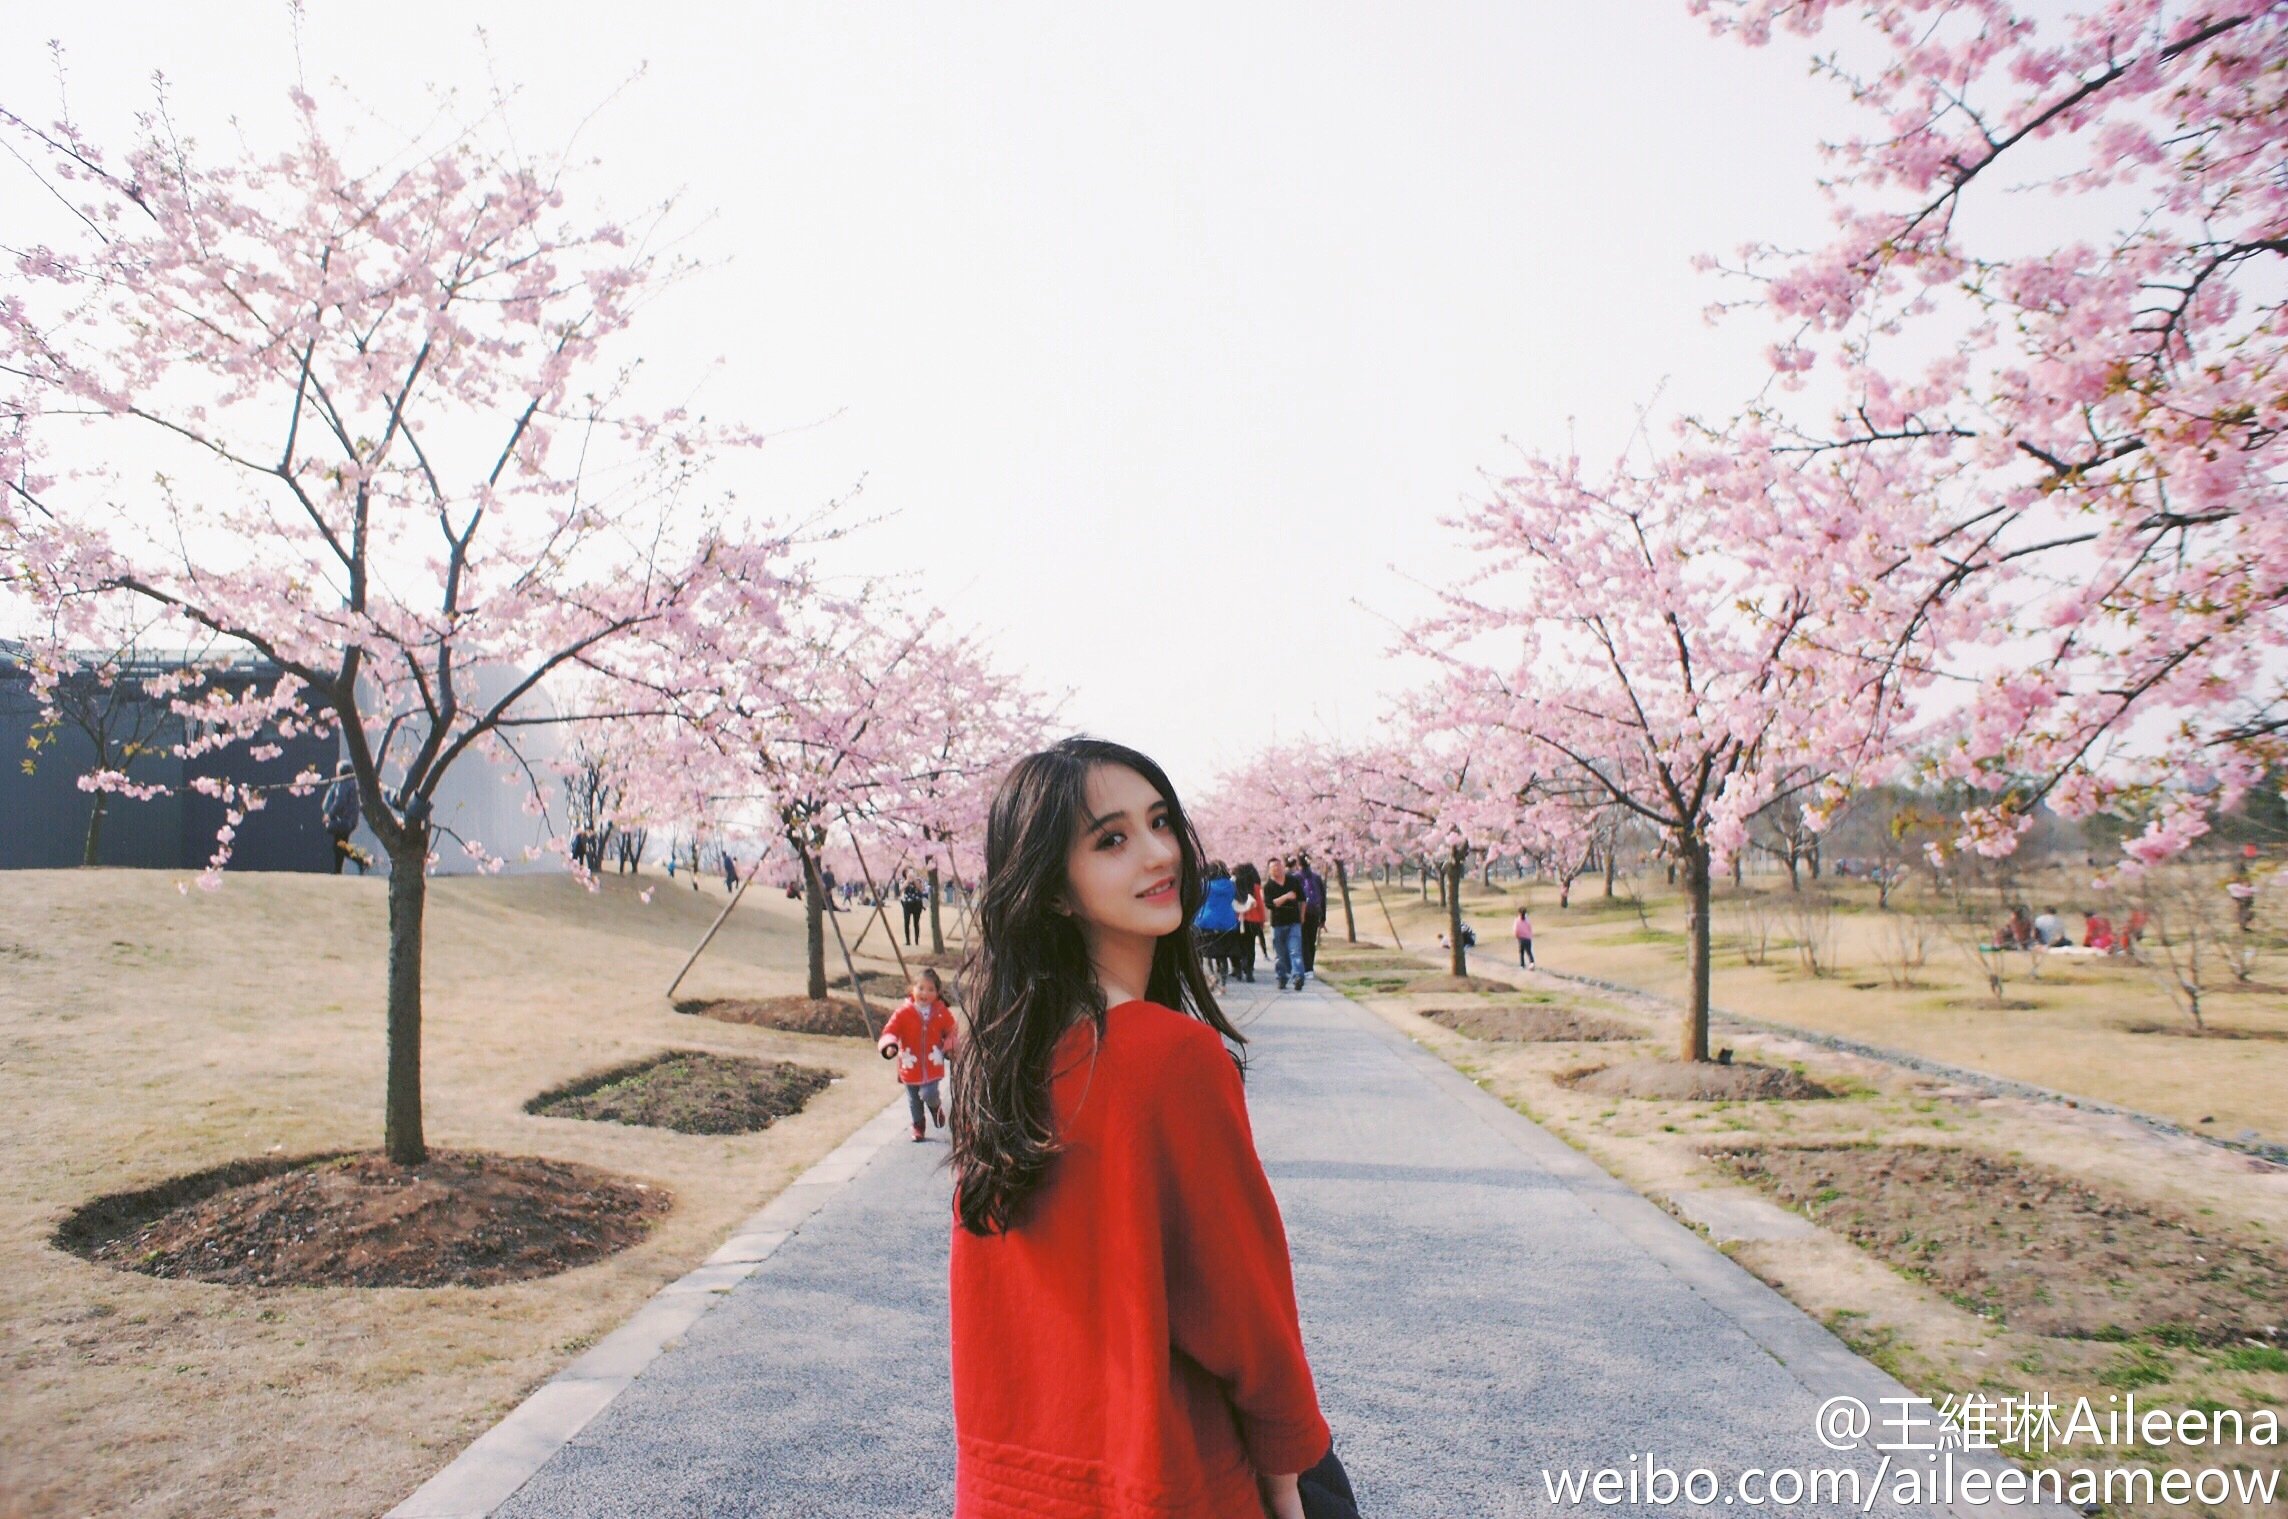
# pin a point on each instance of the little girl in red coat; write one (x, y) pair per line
(1126, 1343)
(918, 1036)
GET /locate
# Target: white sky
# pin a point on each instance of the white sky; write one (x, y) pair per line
(1164, 334)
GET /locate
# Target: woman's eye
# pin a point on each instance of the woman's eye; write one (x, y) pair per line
(1112, 841)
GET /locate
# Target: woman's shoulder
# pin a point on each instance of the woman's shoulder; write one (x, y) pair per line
(1171, 1047)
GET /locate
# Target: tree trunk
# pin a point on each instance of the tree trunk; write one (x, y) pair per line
(1739, 868)
(1350, 923)
(1794, 871)
(1422, 881)
(1489, 870)
(936, 932)
(94, 830)
(1695, 853)
(1612, 863)
(408, 896)
(814, 925)
(1459, 959)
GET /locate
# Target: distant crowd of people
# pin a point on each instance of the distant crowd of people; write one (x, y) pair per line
(1286, 895)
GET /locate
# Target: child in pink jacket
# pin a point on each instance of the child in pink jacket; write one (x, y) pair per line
(918, 1036)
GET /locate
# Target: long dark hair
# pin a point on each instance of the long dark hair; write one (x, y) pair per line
(1030, 975)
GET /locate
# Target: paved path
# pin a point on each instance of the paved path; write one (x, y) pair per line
(1479, 1302)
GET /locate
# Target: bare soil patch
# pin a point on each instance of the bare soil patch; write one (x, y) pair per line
(2211, 1031)
(1526, 1023)
(876, 982)
(1444, 983)
(463, 1219)
(689, 1091)
(2036, 1249)
(1697, 1081)
(798, 1015)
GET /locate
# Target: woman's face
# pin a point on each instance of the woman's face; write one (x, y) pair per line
(1124, 866)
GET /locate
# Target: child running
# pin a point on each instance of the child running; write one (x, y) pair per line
(918, 1036)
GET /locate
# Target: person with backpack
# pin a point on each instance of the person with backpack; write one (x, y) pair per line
(911, 901)
(1314, 909)
(338, 810)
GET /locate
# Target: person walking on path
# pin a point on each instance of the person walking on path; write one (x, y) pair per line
(1216, 924)
(1247, 892)
(730, 872)
(918, 1036)
(1125, 1337)
(1314, 909)
(1524, 928)
(338, 810)
(1283, 898)
(912, 900)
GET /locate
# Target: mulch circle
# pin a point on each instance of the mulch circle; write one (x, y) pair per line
(461, 1219)
(1525, 1023)
(1658, 1080)
(2042, 1251)
(689, 1091)
(797, 1015)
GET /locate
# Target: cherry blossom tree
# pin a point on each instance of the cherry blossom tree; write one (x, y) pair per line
(971, 721)
(2093, 397)
(1305, 794)
(372, 419)
(1608, 653)
(839, 720)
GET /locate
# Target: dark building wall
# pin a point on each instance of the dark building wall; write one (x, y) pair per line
(44, 814)
(286, 833)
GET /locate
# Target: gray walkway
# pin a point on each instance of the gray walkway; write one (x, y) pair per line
(1479, 1302)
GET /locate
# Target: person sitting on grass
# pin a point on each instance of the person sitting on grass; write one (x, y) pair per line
(2018, 933)
(2097, 932)
(918, 1036)
(2125, 942)
(2049, 931)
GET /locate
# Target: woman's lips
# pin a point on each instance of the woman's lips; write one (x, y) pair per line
(1154, 894)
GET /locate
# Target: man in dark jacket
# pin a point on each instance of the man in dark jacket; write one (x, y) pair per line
(1314, 909)
(339, 812)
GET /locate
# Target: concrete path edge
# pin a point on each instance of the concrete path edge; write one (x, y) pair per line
(505, 1457)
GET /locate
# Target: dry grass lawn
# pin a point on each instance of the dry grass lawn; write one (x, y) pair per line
(2071, 1029)
(1916, 1321)
(145, 1033)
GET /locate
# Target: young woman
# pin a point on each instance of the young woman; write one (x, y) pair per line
(1125, 1337)
(1247, 889)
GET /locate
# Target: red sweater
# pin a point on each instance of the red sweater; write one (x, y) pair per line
(1131, 1349)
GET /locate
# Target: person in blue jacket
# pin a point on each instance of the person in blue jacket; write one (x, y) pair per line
(1216, 924)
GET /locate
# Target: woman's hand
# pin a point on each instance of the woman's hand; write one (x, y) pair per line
(1282, 1499)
